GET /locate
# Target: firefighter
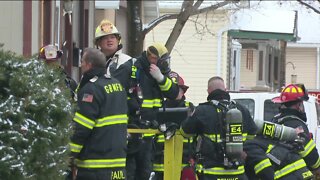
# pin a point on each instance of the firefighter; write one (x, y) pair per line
(147, 82)
(108, 40)
(98, 144)
(207, 123)
(51, 55)
(292, 114)
(180, 101)
(269, 159)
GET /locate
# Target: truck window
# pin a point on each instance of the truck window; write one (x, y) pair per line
(270, 110)
(318, 112)
(248, 103)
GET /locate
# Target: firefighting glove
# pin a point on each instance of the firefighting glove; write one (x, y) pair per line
(156, 73)
(168, 129)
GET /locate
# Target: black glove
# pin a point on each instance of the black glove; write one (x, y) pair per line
(148, 118)
(168, 129)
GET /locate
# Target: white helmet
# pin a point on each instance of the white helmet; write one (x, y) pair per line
(106, 28)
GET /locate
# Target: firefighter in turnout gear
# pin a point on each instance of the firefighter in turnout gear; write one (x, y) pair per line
(51, 55)
(98, 144)
(147, 83)
(269, 159)
(180, 101)
(108, 40)
(292, 114)
(214, 150)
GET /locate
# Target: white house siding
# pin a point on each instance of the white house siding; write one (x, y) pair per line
(305, 62)
(35, 27)
(248, 76)
(194, 56)
(11, 26)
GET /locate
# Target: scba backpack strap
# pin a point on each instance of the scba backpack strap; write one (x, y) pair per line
(290, 118)
(134, 79)
(231, 124)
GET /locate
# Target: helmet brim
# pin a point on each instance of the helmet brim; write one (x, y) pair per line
(184, 87)
(277, 100)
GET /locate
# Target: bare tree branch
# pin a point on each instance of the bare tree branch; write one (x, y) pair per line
(213, 7)
(309, 6)
(157, 21)
(185, 5)
(198, 4)
(188, 8)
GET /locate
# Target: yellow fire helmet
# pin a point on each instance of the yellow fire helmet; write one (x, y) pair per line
(106, 28)
(158, 49)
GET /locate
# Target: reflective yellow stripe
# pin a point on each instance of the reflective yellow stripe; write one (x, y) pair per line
(187, 104)
(262, 165)
(150, 103)
(214, 137)
(270, 147)
(290, 168)
(167, 85)
(84, 121)
(186, 140)
(158, 167)
(101, 163)
(308, 148)
(157, 103)
(75, 147)
(222, 171)
(147, 103)
(316, 165)
(133, 71)
(148, 135)
(244, 136)
(160, 139)
(114, 119)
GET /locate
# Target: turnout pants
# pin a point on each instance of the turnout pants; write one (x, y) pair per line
(101, 174)
(139, 164)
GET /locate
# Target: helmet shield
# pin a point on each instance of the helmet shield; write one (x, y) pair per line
(106, 28)
(50, 52)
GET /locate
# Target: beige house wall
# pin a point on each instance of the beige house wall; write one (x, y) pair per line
(248, 75)
(194, 55)
(35, 27)
(11, 26)
(305, 62)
